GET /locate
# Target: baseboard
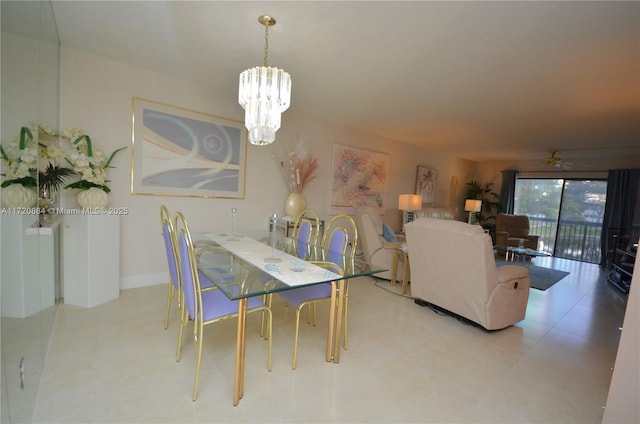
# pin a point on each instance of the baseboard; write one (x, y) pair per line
(144, 280)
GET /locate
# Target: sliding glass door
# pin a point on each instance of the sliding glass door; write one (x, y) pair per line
(566, 214)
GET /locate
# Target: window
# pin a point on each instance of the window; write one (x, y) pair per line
(566, 214)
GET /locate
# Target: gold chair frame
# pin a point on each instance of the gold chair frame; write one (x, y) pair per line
(334, 226)
(312, 304)
(337, 224)
(182, 229)
(346, 225)
(200, 245)
(166, 221)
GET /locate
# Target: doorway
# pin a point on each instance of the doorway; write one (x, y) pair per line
(567, 214)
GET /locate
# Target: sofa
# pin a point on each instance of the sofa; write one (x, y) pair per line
(453, 268)
(512, 229)
(436, 213)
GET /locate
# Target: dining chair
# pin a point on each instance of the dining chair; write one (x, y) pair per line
(309, 296)
(168, 235)
(170, 244)
(307, 227)
(204, 306)
(341, 236)
(338, 237)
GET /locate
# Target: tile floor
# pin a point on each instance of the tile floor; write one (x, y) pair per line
(116, 364)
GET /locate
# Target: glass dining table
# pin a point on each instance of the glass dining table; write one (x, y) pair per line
(242, 267)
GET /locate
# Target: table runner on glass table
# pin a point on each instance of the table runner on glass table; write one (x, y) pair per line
(291, 270)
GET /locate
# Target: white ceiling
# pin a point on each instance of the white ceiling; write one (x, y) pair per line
(484, 80)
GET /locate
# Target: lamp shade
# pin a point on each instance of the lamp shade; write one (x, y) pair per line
(472, 205)
(410, 202)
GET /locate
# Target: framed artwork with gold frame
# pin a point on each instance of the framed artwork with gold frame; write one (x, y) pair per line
(181, 152)
(359, 177)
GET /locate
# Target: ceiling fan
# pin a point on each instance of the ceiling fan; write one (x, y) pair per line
(553, 160)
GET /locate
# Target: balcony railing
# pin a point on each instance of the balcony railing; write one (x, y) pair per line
(577, 240)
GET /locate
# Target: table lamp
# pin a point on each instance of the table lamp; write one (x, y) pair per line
(409, 204)
(472, 206)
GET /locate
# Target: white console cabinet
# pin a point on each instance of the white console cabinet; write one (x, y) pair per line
(91, 259)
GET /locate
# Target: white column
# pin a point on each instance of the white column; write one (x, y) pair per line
(91, 259)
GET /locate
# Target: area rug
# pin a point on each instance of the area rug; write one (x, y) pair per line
(541, 278)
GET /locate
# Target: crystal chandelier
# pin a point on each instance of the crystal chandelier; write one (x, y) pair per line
(264, 93)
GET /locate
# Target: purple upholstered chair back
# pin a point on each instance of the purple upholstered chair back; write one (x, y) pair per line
(302, 242)
(304, 233)
(337, 247)
(340, 238)
(307, 226)
(338, 242)
(171, 257)
(302, 249)
(188, 285)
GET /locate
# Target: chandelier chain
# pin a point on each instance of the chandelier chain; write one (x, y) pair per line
(266, 45)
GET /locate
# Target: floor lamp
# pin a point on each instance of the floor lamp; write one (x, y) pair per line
(472, 206)
(409, 204)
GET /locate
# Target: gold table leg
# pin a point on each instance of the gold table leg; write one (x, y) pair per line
(332, 322)
(238, 388)
(336, 315)
(339, 317)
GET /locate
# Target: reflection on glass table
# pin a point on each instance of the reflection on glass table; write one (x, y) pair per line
(244, 259)
(513, 253)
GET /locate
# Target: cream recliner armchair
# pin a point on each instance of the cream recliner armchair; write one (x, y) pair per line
(453, 267)
(375, 248)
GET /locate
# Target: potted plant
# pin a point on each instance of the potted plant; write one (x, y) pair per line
(298, 168)
(50, 181)
(21, 161)
(490, 202)
(91, 164)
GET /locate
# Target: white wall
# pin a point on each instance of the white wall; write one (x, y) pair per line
(19, 88)
(624, 392)
(584, 167)
(96, 95)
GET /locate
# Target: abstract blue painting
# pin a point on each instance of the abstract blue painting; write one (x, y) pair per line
(180, 152)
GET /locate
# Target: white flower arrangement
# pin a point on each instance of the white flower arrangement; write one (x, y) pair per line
(21, 157)
(50, 152)
(55, 156)
(89, 162)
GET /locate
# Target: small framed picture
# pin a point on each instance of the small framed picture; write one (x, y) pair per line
(426, 183)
